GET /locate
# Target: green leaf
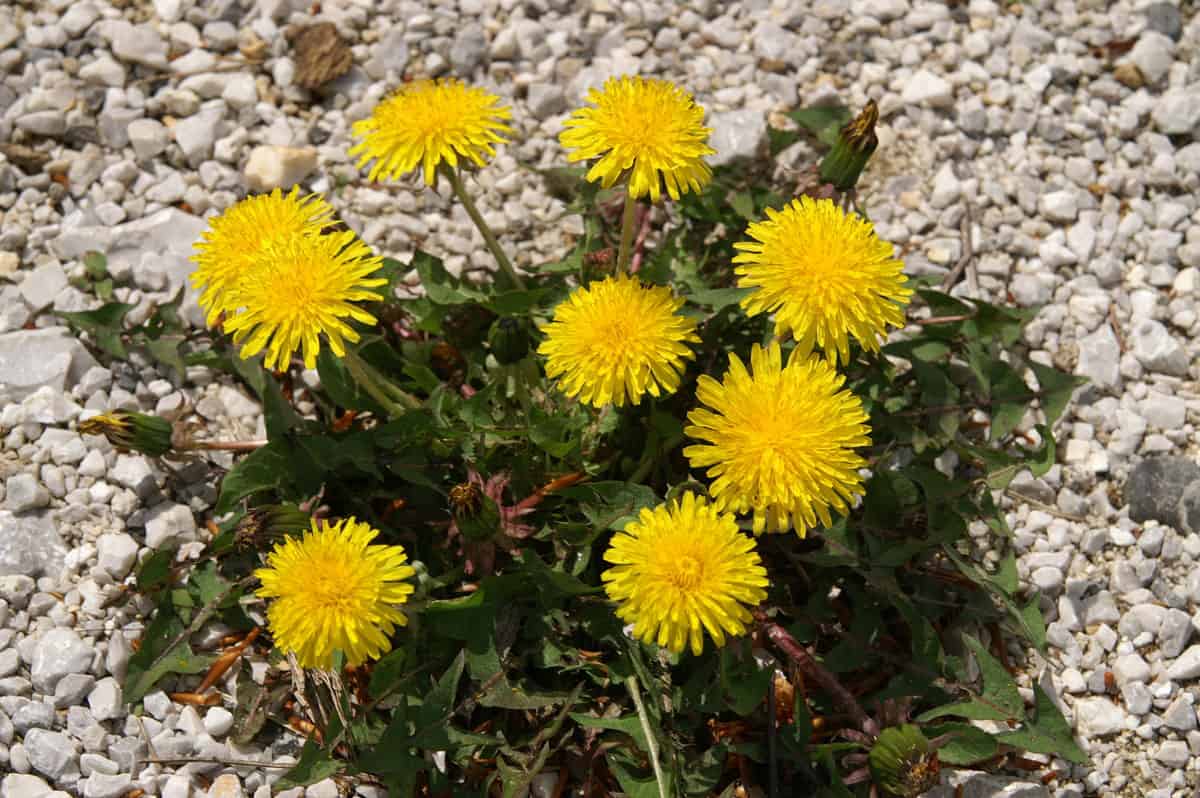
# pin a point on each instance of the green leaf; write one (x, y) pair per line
(1047, 733)
(104, 325)
(164, 650)
(96, 264)
(315, 764)
(437, 707)
(1005, 577)
(1055, 389)
(824, 122)
(630, 724)
(154, 572)
(743, 205)
(1033, 624)
(440, 286)
(165, 350)
(268, 468)
(718, 298)
(968, 745)
(1000, 700)
(388, 673)
(611, 505)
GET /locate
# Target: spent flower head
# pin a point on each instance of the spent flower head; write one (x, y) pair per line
(617, 340)
(647, 127)
(683, 569)
(300, 289)
(779, 441)
(429, 122)
(824, 274)
(331, 590)
(235, 239)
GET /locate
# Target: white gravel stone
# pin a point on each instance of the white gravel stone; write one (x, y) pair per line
(57, 653)
(1185, 666)
(927, 88)
(270, 167)
(116, 554)
(218, 721)
(1098, 717)
(170, 525)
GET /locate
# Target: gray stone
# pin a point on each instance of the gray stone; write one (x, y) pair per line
(1131, 668)
(116, 553)
(51, 124)
(137, 44)
(546, 99)
(1189, 509)
(1173, 753)
(1059, 206)
(23, 492)
(72, 689)
(23, 785)
(197, 134)
(1100, 358)
(1186, 665)
(1177, 111)
(1098, 717)
(169, 525)
(43, 285)
(1156, 485)
(149, 138)
(1153, 55)
(31, 545)
(133, 471)
(469, 47)
(1164, 18)
(737, 135)
(1181, 714)
(57, 653)
(1157, 350)
(78, 18)
(104, 785)
(926, 88)
(974, 784)
(106, 700)
(30, 359)
(51, 753)
(104, 71)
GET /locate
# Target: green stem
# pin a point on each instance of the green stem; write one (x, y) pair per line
(625, 253)
(489, 238)
(632, 685)
(395, 401)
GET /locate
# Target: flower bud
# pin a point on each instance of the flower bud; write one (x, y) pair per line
(509, 340)
(261, 527)
(902, 762)
(130, 431)
(855, 143)
(475, 514)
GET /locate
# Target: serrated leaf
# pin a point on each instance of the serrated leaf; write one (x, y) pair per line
(163, 650)
(1055, 389)
(718, 298)
(440, 286)
(627, 725)
(824, 122)
(103, 325)
(96, 264)
(388, 673)
(998, 686)
(968, 745)
(1047, 733)
(268, 468)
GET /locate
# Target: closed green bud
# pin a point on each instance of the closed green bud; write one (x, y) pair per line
(130, 431)
(263, 526)
(509, 340)
(855, 144)
(902, 762)
(475, 514)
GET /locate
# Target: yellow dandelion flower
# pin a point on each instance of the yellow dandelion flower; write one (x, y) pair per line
(683, 569)
(648, 126)
(427, 122)
(824, 274)
(235, 239)
(780, 440)
(300, 288)
(618, 340)
(334, 592)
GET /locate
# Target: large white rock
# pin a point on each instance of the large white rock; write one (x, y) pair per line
(31, 359)
(1098, 717)
(59, 652)
(926, 88)
(270, 167)
(1177, 112)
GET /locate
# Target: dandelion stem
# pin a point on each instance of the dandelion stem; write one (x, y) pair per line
(225, 446)
(395, 401)
(812, 669)
(489, 238)
(632, 685)
(627, 216)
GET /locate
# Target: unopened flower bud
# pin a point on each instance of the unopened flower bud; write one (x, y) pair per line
(475, 514)
(902, 762)
(261, 527)
(853, 148)
(509, 340)
(130, 431)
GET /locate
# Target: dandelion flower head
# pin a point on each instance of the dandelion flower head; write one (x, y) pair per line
(333, 591)
(235, 239)
(683, 569)
(617, 340)
(824, 274)
(426, 123)
(650, 127)
(302, 288)
(779, 440)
